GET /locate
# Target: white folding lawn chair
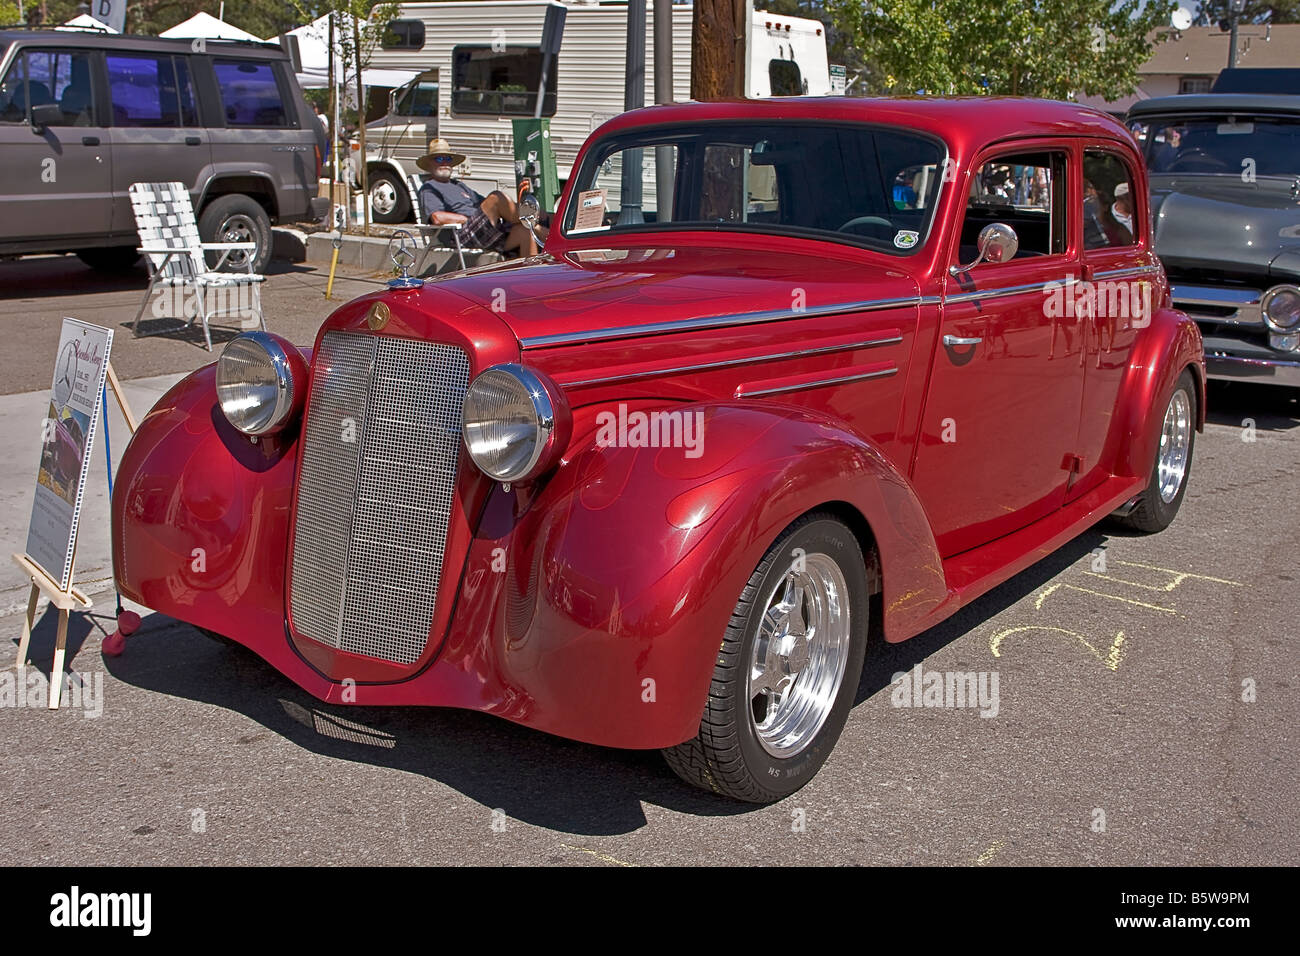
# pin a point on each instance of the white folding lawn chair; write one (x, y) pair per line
(169, 241)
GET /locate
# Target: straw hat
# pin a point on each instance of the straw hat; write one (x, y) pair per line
(439, 147)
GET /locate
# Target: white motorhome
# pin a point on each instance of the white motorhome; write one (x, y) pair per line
(480, 63)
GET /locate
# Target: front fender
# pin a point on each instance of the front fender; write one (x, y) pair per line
(597, 602)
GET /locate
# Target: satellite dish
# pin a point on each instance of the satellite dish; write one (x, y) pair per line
(1182, 18)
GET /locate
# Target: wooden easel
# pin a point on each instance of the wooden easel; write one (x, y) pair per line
(65, 601)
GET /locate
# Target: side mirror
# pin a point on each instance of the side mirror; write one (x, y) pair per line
(46, 114)
(997, 243)
(530, 210)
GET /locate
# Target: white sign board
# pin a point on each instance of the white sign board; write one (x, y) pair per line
(111, 13)
(67, 438)
(839, 79)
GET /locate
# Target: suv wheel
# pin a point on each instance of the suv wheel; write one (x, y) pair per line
(109, 258)
(237, 218)
(787, 670)
(388, 199)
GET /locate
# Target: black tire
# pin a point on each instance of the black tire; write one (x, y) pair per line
(386, 186)
(237, 218)
(727, 756)
(110, 258)
(1153, 512)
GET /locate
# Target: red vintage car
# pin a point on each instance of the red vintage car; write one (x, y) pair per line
(790, 377)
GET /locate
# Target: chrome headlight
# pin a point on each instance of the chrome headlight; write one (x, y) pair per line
(516, 422)
(1281, 306)
(260, 379)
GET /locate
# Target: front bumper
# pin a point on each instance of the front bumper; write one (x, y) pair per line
(1236, 338)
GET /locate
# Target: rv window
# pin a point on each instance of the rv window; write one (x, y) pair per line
(785, 78)
(502, 82)
(404, 35)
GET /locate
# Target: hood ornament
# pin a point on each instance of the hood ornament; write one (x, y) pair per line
(404, 258)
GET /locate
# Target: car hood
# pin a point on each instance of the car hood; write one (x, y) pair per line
(560, 299)
(1222, 224)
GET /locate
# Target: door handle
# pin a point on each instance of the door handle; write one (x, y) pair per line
(192, 141)
(90, 141)
(958, 340)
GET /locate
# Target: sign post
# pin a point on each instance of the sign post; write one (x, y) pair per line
(67, 440)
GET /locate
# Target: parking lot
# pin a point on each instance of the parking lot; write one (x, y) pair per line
(1146, 695)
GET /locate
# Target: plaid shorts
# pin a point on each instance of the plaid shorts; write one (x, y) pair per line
(479, 232)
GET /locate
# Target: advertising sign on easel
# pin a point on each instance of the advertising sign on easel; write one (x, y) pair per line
(67, 440)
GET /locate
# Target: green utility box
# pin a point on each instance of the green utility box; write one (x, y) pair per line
(535, 160)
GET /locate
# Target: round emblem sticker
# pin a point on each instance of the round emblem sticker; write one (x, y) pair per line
(906, 238)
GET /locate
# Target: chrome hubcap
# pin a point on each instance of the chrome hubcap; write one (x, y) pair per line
(1175, 439)
(238, 229)
(383, 197)
(799, 656)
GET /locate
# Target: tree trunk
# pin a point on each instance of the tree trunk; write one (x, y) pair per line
(718, 49)
(362, 172)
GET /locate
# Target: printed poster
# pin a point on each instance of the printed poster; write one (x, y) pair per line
(67, 438)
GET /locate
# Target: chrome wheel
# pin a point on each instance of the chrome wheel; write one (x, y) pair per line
(799, 655)
(238, 228)
(1175, 441)
(383, 197)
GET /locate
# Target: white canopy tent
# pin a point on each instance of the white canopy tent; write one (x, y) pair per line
(84, 21)
(206, 26)
(313, 46)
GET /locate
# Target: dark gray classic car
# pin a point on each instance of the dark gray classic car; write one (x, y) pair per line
(1225, 198)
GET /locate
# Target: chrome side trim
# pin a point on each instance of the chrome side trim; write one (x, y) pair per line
(1124, 273)
(714, 322)
(727, 363)
(879, 373)
(1010, 290)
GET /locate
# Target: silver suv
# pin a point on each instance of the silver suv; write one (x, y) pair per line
(83, 116)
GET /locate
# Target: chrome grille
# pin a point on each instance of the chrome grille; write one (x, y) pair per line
(375, 492)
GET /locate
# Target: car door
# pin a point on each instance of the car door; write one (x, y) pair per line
(1002, 408)
(1118, 288)
(55, 184)
(157, 135)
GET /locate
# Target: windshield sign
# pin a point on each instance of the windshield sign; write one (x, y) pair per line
(860, 185)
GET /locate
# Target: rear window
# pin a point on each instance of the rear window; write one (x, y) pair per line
(250, 95)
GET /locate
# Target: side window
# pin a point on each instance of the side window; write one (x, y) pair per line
(250, 95)
(150, 91)
(419, 99)
(1027, 191)
(403, 35)
(41, 77)
(501, 82)
(1108, 218)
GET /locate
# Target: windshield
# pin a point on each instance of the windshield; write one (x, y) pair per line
(865, 186)
(1244, 146)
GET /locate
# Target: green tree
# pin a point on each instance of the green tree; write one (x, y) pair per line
(1044, 48)
(8, 12)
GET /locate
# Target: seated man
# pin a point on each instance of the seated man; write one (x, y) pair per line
(490, 222)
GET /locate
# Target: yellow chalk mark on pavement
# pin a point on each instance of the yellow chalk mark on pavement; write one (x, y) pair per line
(1180, 575)
(987, 856)
(1051, 589)
(1111, 659)
(599, 856)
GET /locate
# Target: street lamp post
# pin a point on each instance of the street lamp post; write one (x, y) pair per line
(1236, 8)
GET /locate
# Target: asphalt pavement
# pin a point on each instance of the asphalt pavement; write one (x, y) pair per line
(1146, 710)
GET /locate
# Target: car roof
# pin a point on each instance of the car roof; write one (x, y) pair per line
(1218, 103)
(966, 121)
(95, 40)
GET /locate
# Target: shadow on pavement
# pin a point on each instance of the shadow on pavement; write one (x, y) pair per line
(1271, 407)
(534, 777)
